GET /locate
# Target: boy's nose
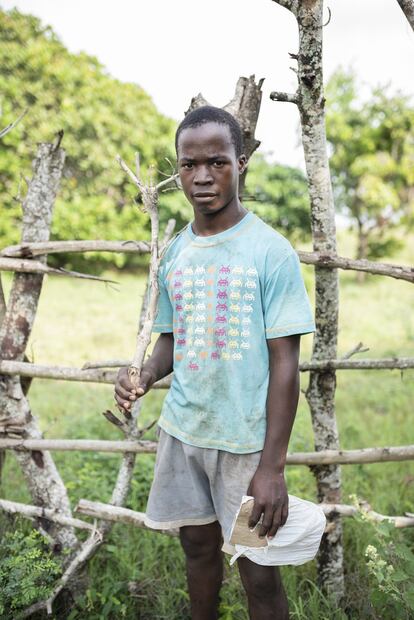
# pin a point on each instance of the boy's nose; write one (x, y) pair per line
(203, 176)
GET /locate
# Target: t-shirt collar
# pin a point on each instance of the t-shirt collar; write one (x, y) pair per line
(218, 237)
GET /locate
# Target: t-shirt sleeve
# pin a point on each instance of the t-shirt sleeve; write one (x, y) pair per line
(287, 309)
(164, 317)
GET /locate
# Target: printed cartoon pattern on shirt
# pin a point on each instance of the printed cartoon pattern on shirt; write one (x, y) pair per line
(212, 307)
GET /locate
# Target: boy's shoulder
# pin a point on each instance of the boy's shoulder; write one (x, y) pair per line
(172, 244)
(272, 242)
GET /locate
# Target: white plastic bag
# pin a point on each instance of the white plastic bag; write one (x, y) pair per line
(295, 543)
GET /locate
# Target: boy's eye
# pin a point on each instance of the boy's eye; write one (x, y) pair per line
(218, 164)
(187, 165)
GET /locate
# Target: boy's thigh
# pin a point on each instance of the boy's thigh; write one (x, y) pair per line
(195, 486)
(201, 540)
(180, 492)
(232, 479)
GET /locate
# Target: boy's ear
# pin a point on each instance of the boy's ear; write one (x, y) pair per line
(242, 163)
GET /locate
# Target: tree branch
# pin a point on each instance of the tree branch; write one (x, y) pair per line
(11, 126)
(321, 457)
(29, 250)
(287, 97)
(20, 265)
(97, 375)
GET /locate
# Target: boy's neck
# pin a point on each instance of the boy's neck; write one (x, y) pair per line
(206, 225)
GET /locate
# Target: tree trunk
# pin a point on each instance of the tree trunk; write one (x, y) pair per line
(245, 107)
(362, 251)
(46, 487)
(407, 7)
(321, 389)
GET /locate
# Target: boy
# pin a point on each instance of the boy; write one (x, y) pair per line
(231, 311)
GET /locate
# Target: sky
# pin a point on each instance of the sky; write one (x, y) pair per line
(176, 49)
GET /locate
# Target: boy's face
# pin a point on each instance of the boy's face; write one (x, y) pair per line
(208, 167)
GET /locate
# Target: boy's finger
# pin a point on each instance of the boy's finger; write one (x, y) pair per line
(119, 390)
(285, 514)
(255, 514)
(276, 523)
(124, 404)
(267, 522)
(125, 382)
(143, 384)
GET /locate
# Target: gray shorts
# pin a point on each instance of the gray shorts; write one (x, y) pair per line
(196, 486)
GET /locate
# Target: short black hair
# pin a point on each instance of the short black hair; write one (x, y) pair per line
(211, 114)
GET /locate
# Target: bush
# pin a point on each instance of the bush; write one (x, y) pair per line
(27, 571)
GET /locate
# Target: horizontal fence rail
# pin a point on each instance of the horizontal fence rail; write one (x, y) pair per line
(98, 375)
(30, 250)
(99, 510)
(321, 457)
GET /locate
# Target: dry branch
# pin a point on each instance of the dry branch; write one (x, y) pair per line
(117, 514)
(12, 125)
(400, 272)
(365, 509)
(81, 445)
(95, 374)
(285, 97)
(35, 512)
(21, 265)
(323, 457)
(29, 250)
(122, 515)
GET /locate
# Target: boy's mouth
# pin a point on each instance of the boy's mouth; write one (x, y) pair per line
(204, 197)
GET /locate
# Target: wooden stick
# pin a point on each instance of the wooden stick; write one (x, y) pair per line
(35, 512)
(342, 363)
(81, 445)
(28, 250)
(98, 375)
(323, 457)
(22, 265)
(122, 515)
(346, 510)
(330, 261)
(12, 125)
(117, 514)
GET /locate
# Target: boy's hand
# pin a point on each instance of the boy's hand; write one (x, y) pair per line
(126, 393)
(270, 499)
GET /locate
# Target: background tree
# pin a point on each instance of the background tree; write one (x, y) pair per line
(279, 195)
(372, 161)
(100, 116)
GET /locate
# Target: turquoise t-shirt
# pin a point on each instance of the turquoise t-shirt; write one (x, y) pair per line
(223, 296)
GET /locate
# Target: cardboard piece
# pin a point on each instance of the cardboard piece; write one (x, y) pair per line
(241, 533)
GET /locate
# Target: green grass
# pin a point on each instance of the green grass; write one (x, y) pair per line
(80, 321)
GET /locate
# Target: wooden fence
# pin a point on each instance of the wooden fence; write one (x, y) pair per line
(19, 429)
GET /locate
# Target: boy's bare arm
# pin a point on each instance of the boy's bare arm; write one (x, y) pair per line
(268, 485)
(155, 368)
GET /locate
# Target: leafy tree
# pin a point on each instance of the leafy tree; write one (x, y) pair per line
(101, 117)
(279, 196)
(372, 161)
